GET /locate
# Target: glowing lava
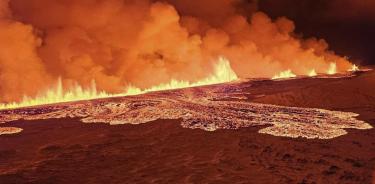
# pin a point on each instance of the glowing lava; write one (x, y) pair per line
(208, 108)
(9, 130)
(354, 68)
(222, 73)
(285, 75)
(312, 73)
(332, 69)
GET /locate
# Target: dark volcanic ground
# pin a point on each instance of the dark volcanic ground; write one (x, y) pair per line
(68, 151)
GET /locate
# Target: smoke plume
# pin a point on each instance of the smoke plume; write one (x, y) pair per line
(117, 43)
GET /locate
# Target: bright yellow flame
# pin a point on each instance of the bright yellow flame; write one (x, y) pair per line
(354, 68)
(223, 73)
(312, 73)
(285, 75)
(332, 69)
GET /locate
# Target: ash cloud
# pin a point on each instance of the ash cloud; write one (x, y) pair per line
(144, 43)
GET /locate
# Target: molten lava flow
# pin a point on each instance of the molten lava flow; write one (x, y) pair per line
(285, 75)
(223, 73)
(9, 130)
(208, 108)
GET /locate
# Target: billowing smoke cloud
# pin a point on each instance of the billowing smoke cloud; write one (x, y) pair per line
(22, 71)
(143, 43)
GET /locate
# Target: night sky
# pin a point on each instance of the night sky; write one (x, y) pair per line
(347, 25)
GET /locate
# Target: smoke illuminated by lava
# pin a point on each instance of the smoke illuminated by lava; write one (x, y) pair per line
(143, 43)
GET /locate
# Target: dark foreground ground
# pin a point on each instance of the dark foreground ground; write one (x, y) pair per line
(68, 151)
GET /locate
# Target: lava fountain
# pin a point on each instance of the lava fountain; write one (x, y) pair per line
(222, 73)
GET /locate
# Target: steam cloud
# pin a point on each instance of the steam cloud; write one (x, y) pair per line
(144, 43)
